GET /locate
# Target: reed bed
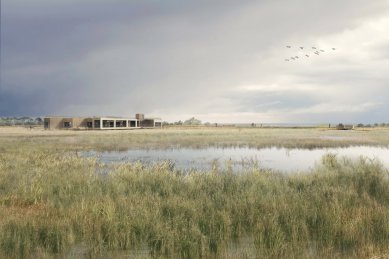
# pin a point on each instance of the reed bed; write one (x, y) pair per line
(54, 203)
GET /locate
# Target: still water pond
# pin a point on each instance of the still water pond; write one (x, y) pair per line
(283, 159)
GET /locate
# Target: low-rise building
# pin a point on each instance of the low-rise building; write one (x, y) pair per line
(342, 126)
(138, 122)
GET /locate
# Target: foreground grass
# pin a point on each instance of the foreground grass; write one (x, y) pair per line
(55, 203)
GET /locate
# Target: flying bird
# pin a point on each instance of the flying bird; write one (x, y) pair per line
(307, 54)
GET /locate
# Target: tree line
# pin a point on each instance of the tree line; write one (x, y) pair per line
(13, 121)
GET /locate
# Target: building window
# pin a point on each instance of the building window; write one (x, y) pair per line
(97, 124)
(108, 123)
(121, 124)
(89, 124)
(132, 124)
(67, 124)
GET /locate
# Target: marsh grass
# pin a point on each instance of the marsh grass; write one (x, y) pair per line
(53, 202)
(193, 138)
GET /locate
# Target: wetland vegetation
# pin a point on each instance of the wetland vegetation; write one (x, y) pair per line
(53, 202)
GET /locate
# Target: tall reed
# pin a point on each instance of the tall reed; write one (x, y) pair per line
(56, 203)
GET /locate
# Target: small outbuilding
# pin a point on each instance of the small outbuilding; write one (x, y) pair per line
(341, 126)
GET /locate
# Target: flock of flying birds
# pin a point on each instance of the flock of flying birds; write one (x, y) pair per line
(307, 52)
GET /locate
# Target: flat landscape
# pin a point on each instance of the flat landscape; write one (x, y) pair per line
(54, 201)
(193, 137)
(194, 129)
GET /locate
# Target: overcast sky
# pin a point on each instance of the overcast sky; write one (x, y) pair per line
(220, 61)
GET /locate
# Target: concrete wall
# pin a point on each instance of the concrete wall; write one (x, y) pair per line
(53, 123)
(59, 122)
(147, 123)
(80, 122)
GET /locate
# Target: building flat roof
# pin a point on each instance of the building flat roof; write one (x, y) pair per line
(102, 117)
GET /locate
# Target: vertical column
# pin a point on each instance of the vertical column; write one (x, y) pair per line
(101, 123)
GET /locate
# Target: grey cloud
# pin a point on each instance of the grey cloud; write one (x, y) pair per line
(273, 101)
(14, 104)
(171, 56)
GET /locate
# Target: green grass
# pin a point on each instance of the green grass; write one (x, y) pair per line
(51, 203)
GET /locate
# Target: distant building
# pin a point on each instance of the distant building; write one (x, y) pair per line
(101, 122)
(340, 126)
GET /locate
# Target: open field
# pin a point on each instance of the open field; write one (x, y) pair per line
(53, 202)
(11, 137)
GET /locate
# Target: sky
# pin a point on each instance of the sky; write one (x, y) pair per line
(219, 61)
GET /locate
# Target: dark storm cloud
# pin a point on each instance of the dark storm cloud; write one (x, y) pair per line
(37, 102)
(44, 43)
(188, 57)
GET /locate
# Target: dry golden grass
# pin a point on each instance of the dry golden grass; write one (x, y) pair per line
(193, 137)
(54, 203)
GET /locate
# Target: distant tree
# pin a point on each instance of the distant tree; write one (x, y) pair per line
(11, 121)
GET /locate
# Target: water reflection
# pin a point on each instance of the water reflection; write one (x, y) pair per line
(282, 159)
